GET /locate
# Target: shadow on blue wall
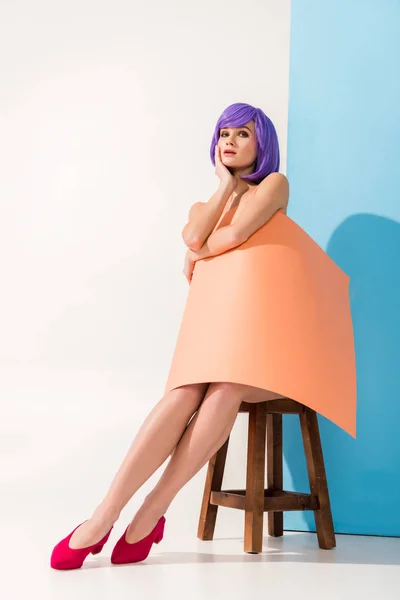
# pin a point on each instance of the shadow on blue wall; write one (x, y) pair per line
(363, 473)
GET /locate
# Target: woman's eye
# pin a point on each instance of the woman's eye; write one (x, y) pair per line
(245, 132)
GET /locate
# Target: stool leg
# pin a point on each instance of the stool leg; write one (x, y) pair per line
(208, 513)
(274, 469)
(317, 478)
(255, 479)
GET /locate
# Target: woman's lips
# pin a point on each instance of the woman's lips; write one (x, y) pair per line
(229, 153)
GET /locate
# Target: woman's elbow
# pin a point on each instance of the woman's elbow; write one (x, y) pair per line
(191, 242)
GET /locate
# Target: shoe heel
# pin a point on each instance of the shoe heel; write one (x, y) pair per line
(98, 549)
(159, 535)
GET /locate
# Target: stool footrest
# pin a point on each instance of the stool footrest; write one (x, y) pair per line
(274, 500)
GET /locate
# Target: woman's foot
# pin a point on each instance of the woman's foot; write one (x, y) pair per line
(65, 558)
(125, 553)
(93, 530)
(143, 522)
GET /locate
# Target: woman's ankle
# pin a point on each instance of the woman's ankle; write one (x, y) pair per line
(104, 513)
(155, 504)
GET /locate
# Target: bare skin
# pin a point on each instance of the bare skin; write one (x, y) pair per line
(190, 422)
(215, 406)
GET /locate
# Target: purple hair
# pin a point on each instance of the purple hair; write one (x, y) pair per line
(237, 115)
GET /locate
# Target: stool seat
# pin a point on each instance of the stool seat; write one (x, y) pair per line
(265, 441)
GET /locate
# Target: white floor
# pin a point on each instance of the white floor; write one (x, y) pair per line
(183, 566)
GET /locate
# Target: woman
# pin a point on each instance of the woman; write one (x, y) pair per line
(245, 153)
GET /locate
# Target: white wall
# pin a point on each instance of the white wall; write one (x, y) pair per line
(107, 112)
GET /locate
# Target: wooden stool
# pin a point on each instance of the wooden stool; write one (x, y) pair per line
(265, 425)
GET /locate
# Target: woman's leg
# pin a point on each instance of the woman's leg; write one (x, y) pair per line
(154, 442)
(204, 435)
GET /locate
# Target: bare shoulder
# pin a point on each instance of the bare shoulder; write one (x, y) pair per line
(274, 186)
(274, 180)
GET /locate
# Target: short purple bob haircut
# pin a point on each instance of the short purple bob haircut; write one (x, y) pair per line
(237, 115)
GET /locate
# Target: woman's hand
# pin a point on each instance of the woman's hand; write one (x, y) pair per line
(189, 265)
(221, 170)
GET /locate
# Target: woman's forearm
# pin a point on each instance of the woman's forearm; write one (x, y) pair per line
(221, 240)
(199, 228)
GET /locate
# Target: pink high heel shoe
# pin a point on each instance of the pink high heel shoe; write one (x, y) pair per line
(63, 557)
(124, 552)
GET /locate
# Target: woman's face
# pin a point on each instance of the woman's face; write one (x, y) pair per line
(242, 140)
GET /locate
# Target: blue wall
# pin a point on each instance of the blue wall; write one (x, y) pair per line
(344, 173)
